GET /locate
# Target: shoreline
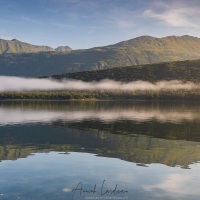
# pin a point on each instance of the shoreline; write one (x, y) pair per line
(103, 95)
(103, 100)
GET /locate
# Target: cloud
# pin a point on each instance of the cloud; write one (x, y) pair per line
(5, 37)
(51, 23)
(176, 186)
(93, 29)
(62, 25)
(176, 14)
(123, 24)
(122, 18)
(67, 190)
(34, 84)
(30, 20)
(171, 18)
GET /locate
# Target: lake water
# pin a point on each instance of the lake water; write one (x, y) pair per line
(99, 150)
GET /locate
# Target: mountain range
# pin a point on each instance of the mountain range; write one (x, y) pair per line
(16, 46)
(42, 60)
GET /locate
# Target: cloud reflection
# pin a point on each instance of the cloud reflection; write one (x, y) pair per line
(139, 115)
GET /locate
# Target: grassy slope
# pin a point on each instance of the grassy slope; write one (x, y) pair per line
(15, 46)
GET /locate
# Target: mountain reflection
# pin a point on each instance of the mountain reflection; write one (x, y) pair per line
(137, 132)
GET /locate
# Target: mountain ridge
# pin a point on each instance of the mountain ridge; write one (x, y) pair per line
(16, 46)
(138, 51)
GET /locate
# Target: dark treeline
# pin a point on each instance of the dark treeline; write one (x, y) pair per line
(104, 95)
(180, 70)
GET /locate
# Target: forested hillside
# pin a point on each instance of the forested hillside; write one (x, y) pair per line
(180, 70)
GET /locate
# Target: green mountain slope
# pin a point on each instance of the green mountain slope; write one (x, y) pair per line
(138, 51)
(16, 46)
(179, 70)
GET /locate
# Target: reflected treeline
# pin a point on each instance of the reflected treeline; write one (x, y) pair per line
(136, 132)
(99, 105)
(21, 141)
(171, 131)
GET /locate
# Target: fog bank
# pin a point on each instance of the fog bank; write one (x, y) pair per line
(31, 84)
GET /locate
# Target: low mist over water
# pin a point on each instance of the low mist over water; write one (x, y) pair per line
(32, 84)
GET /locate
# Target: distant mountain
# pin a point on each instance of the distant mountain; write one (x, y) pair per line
(63, 48)
(138, 51)
(16, 46)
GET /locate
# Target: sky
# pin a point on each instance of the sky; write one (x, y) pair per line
(83, 24)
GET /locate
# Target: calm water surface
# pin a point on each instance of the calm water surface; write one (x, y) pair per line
(99, 150)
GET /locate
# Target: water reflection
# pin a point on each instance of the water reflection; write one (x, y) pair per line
(30, 112)
(138, 149)
(137, 132)
(53, 176)
(151, 150)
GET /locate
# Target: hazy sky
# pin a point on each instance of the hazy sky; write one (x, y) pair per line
(89, 23)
